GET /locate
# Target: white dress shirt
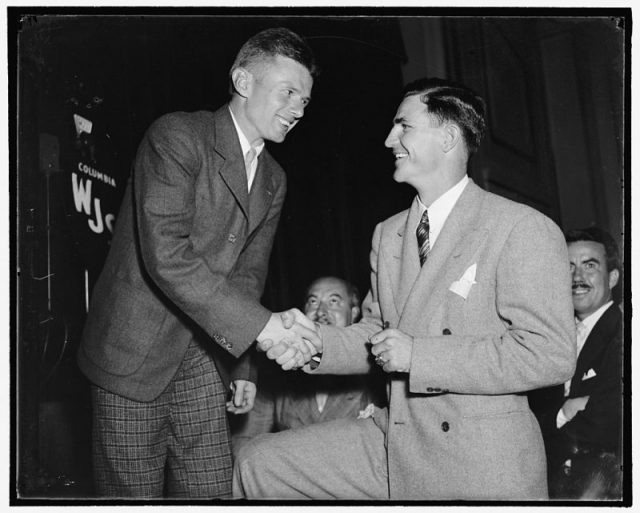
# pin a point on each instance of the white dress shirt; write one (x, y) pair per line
(246, 146)
(440, 209)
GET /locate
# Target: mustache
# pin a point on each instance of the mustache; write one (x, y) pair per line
(577, 284)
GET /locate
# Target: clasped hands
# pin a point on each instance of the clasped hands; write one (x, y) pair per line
(290, 338)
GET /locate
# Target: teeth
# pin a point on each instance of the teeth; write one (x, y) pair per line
(400, 155)
(284, 122)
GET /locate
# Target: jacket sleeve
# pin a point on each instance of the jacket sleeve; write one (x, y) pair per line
(600, 422)
(227, 308)
(346, 350)
(533, 301)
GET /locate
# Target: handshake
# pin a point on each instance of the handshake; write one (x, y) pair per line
(290, 338)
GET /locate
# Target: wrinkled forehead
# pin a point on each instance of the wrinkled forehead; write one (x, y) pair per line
(587, 250)
(327, 287)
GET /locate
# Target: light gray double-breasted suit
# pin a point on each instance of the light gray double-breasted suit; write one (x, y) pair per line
(458, 424)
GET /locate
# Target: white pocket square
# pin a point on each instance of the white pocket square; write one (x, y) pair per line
(589, 374)
(462, 287)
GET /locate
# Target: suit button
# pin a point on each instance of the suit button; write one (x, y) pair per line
(446, 331)
(429, 389)
(232, 238)
(445, 426)
(437, 390)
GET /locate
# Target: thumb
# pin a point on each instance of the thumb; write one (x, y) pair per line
(265, 345)
(288, 318)
(239, 394)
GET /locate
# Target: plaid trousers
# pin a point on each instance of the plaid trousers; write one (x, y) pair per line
(178, 442)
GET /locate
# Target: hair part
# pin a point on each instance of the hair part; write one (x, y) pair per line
(270, 43)
(595, 234)
(449, 101)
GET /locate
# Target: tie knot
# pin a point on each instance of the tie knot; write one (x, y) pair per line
(425, 218)
(581, 329)
(249, 156)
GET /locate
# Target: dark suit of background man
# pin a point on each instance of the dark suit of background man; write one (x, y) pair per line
(583, 427)
(464, 321)
(180, 290)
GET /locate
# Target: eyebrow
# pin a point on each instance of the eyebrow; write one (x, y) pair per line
(590, 260)
(288, 84)
(399, 120)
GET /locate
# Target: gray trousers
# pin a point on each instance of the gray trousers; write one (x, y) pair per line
(342, 459)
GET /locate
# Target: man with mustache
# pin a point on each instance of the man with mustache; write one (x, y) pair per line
(291, 400)
(469, 308)
(583, 426)
(178, 300)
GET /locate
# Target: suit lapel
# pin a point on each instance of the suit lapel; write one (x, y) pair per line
(450, 256)
(407, 255)
(228, 147)
(261, 194)
(603, 331)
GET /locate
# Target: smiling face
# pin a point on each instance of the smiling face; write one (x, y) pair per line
(275, 94)
(591, 280)
(328, 302)
(417, 142)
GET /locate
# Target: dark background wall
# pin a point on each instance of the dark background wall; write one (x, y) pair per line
(554, 86)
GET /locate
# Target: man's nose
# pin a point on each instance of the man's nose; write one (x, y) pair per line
(322, 310)
(297, 108)
(391, 138)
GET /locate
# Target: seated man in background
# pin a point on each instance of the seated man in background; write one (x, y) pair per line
(582, 424)
(290, 400)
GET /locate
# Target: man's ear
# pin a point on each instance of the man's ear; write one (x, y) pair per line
(241, 80)
(451, 136)
(355, 312)
(614, 276)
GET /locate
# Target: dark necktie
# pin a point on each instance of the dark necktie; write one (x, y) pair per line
(422, 232)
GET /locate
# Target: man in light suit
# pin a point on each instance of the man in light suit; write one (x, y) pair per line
(288, 400)
(467, 311)
(582, 427)
(178, 299)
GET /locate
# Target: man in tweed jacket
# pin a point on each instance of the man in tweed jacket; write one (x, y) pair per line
(487, 317)
(178, 299)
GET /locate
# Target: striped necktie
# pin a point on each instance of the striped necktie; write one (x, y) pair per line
(422, 233)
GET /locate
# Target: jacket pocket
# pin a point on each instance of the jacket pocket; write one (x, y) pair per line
(123, 327)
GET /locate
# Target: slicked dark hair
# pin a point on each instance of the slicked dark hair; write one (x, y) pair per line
(449, 101)
(595, 234)
(273, 42)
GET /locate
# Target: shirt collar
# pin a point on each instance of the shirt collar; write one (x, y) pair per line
(244, 142)
(590, 321)
(441, 208)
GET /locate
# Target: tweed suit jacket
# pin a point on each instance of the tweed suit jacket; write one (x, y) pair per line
(188, 260)
(458, 424)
